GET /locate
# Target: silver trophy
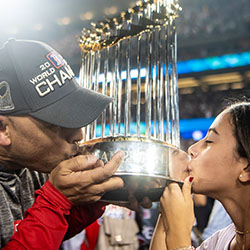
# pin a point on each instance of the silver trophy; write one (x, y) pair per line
(132, 58)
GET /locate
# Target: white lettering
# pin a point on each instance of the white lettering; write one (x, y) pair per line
(46, 81)
(64, 76)
(51, 83)
(51, 71)
(69, 70)
(33, 80)
(42, 76)
(44, 66)
(39, 90)
(47, 64)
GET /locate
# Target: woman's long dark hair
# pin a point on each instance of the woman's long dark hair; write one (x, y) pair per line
(240, 118)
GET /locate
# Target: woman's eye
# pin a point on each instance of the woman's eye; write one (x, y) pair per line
(207, 141)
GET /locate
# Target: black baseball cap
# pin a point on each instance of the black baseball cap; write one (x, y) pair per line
(35, 80)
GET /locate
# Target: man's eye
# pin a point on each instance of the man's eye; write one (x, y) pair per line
(51, 126)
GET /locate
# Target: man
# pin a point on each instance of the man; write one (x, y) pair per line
(42, 110)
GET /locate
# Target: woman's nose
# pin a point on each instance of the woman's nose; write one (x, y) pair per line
(192, 151)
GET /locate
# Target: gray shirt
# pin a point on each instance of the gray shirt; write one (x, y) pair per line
(218, 219)
(219, 240)
(17, 190)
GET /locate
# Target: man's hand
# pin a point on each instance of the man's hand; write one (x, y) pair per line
(84, 179)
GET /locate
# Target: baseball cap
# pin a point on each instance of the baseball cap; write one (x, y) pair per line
(35, 80)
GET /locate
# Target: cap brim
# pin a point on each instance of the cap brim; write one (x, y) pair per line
(76, 110)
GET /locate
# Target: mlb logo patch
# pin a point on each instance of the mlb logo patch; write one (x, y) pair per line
(55, 59)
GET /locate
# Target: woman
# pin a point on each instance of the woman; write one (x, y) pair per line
(219, 168)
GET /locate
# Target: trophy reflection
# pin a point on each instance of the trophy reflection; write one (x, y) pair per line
(132, 58)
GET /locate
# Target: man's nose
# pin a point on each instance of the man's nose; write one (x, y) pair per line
(74, 135)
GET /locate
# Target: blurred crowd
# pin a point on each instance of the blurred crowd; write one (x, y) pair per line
(212, 18)
(211, 28)
(206, 104)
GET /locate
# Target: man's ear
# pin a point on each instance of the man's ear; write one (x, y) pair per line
(4, 131)
(245, 174)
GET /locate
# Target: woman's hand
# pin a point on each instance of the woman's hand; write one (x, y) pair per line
(177, 211)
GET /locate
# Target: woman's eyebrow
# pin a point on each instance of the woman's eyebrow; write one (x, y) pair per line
(213, 130)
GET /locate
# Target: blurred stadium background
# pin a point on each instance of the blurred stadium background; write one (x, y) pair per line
(213, 46)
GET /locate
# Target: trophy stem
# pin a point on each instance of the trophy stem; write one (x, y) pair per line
(174, 87)
(167, 86)
(127, 113)
(104, 87)
(115, 77)
(154, 74)
(96, 87)
(111, 90)
(148, 84)
(138, 106)
(119, 45)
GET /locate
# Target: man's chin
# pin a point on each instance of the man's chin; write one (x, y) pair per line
(44, 168)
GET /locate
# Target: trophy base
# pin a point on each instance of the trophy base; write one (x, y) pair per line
(145, 169)
(153, 193)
